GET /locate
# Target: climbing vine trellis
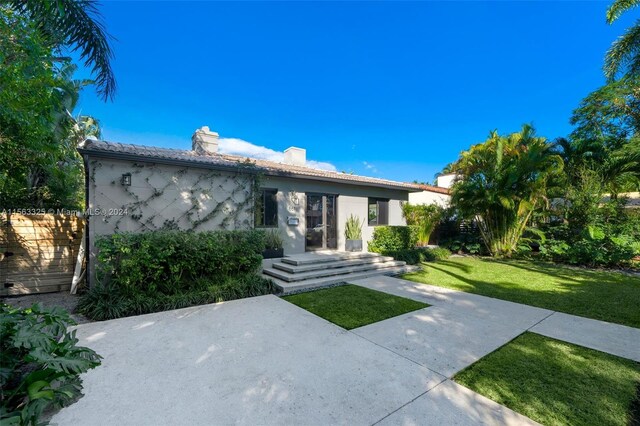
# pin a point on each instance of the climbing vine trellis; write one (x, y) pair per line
(170, 197)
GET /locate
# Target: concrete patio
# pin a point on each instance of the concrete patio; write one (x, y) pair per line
(258, 361)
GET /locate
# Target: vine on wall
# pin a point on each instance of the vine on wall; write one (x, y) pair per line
(176, 198)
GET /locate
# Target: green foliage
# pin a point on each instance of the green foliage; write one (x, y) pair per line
(435, 254)
(40, 364)
(393, 238)
(503, 181)
(414, 256)
(624, 54)
(76, 25)
(148, 272)
(273, 239)
(353, 228)
(103, 302)
(39, 165)
(424, 217)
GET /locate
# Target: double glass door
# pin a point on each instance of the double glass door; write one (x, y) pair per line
(322, 229)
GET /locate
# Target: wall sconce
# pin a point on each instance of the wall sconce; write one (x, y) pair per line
(126, 179)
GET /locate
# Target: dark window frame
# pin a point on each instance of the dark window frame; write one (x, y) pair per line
(382, 211)
(261, 210)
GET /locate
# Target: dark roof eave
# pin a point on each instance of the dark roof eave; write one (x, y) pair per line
(238, 168)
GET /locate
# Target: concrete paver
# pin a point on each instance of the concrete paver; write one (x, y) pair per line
(444, 340)
(615, 339)
(452, 404)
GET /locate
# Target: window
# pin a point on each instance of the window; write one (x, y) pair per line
(267, 208)
(378, 212)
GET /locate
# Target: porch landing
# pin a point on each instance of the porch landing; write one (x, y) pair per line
(324, 268)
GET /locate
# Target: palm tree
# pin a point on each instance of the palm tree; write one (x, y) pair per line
(625, 51)
(502, 182)
(77, 24)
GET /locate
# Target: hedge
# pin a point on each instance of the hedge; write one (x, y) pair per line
(160, 270)
(393, 238)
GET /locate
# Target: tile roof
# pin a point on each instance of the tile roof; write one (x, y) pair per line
(115, 149)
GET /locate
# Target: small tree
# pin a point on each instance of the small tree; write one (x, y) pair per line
(502, 182)
(425, 217)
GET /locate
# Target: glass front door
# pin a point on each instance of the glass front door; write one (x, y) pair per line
(322, 229)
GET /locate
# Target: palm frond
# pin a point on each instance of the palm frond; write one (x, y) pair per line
(624, 54)
(78, 24)
(619, 7)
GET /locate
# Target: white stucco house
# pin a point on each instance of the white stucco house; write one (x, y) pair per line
(134, 188)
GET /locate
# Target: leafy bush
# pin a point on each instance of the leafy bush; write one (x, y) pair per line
(103, 302)
(170, 261)
(425, 217)
(156, 271)
(40, 364)
(393, 238)
(417, 255)
(438, 253)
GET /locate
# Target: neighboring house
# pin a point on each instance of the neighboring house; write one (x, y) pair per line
(132, 188)
(431, 195)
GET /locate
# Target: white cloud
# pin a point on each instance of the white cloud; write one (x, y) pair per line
(243, 148)
(370, 166)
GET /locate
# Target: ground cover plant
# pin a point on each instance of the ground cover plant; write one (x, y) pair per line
(557, 383)
(156, 271)
(40, 363)
(602, 295)
(352, 306)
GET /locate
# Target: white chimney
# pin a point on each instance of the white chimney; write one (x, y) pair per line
(204, 141)
(295, 156)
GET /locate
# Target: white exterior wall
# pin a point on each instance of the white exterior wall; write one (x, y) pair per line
(351, 199)
(428, 197)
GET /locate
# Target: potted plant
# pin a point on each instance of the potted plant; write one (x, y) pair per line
(273, 245)
(353, 233)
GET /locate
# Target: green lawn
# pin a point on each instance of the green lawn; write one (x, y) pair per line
(601, 295)
(557, 383)
(352, 306)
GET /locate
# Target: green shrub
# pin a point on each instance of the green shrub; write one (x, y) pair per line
(433, 254)
(40, 364)
(393, 238)
(156, 271)
(170, 261)
(425, 217)
(419, 254)
(103, 302)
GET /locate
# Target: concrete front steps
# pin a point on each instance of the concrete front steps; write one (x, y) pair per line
(320, 269)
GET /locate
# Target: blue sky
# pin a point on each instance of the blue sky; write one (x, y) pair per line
(387, 89)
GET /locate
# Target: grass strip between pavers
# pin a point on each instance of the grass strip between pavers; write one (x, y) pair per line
(352, 306)
(558, 383)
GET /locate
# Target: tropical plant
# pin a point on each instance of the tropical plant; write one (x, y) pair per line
(425, 217)
(76, 24)
(502, 182)
(39, 165)
(353, 228)
(40, 363)
(624, 53)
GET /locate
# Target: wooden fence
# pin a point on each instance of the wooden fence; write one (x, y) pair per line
(38, 253)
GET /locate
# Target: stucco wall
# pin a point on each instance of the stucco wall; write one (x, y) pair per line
(351, 199)
(428, 197)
